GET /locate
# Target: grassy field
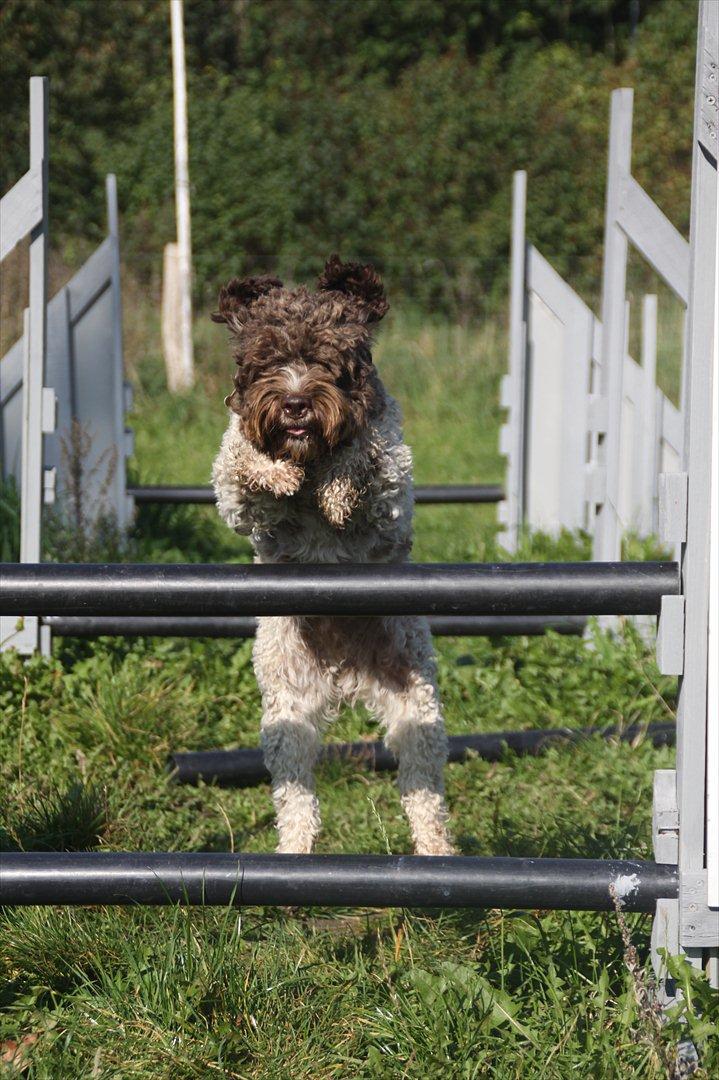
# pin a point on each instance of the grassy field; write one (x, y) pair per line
(124, 993)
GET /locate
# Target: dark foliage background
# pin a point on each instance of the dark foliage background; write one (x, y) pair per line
(386, 128)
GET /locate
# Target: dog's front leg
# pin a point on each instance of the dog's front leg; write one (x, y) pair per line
(290, 745)
(406, 702)
(296, 697)
(418, 741)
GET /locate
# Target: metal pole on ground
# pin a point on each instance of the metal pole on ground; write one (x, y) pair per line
(245, 766)
(332, 880)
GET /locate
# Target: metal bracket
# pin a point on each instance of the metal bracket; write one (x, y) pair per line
(49, 410)
(597, 413)
(673, 491)
(665, 937)
(49, 481)
(45, 640)
(129, 442)
(505, 391)
(709, 95)
(505, 439)
(670, 636)
(698, 923)
(596, 484)
(665, 817)
(19, 632)
(128, 396)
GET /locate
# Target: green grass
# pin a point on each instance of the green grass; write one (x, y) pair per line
(167, 993)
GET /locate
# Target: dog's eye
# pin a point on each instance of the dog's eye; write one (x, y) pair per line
(344, 381)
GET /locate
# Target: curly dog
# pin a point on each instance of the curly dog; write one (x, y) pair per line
(314, 469)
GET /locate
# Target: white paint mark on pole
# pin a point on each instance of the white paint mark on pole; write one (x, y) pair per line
(624, 886)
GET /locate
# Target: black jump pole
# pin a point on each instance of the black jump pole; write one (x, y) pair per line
(244, 767)
(31, 878)
(368, 589)
(244, 626)
(424, 494)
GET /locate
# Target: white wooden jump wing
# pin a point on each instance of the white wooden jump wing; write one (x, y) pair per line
(85, 366)
(630, 217)
(76, 342)
(25, 208)
(86, 363)
(691, 924)
(560, 368)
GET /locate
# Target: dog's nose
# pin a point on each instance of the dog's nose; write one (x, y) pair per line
(295, 405)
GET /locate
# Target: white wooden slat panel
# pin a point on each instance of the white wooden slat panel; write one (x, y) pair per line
(560, 332)
(93, 277)
(628, 501)
(20, 211)
(653, 234)
(545, 342)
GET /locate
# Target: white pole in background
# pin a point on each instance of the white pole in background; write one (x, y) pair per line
(182, 195)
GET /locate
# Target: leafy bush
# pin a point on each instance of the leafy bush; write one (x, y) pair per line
(385, 130)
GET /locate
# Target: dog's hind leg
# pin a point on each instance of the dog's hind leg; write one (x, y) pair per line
(296, 698)
(408, 707)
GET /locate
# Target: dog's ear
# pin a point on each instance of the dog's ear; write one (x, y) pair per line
(362, 283)
(237, 298)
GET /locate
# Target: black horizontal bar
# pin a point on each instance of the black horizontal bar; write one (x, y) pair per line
(244, 626)
(155, 494)
(332, 880)
(458, 493)
(423, 494)
(245, 766)
(337, 589)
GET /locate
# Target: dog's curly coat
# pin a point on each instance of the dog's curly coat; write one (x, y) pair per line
(314, 469)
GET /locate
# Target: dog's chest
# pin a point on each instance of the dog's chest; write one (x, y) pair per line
(294, 530)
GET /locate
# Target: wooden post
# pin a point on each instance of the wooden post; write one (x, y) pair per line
(649, 438)
(698, 924)
(607, 536)
(36, 338)
(514, 388)
(177, 298)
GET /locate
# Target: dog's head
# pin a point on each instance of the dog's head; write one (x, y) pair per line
(305, 382)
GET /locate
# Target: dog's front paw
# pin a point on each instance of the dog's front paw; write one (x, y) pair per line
(285, 479)
(279, 478)
(337, 500)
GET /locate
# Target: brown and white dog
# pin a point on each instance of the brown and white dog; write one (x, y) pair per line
(313, 468)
